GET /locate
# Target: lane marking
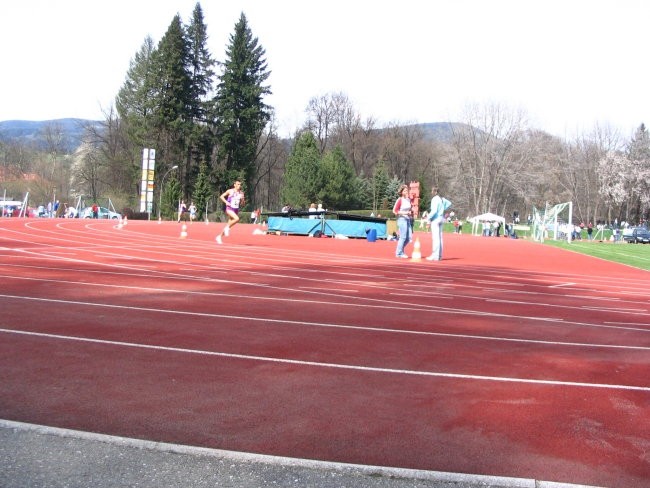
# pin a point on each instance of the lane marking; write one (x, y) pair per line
(336, 326)
(350, 367)
(370, 302)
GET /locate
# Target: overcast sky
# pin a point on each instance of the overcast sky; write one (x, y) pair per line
(570, 64)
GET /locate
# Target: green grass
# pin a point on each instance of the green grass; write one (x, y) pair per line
(635, 255)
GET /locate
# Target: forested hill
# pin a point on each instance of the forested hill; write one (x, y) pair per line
(35, 133)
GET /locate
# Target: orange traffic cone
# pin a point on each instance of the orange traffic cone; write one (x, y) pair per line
(184, 231)
(416, 255)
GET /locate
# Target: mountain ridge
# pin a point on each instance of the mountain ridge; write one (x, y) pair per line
(32, 132)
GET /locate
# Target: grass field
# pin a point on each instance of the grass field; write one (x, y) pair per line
(635, 255)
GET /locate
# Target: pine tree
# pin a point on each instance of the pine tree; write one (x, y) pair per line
(172, 102)
(379, 187)
(133, 101)
(170, 197)
(240, 111)
(339, 184)
(302, 176)
(201, 88)
(202, 190)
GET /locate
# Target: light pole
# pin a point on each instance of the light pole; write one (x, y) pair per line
(162, 182)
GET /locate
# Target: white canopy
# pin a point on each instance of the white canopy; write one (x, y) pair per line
(487, 217)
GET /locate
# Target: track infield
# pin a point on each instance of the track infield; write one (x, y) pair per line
(507, 358)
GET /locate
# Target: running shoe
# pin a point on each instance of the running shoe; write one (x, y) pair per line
(219, 240)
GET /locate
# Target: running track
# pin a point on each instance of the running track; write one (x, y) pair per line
(508, 358)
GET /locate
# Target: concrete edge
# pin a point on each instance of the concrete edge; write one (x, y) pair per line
(367, 470)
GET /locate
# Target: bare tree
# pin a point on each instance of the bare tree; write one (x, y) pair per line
(321, 118)
(402, 150)
(269, 168)
(489, 151)
(577, 171)
(55, 146)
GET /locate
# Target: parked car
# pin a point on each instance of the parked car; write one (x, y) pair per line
(104, 213)
(637, 235)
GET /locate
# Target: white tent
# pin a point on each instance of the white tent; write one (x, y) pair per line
(486, 217)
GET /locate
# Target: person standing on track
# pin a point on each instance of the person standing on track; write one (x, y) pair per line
(436, 219)
(403, 210)
(234, 199)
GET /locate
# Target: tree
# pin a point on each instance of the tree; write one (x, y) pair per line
(321, 117)
(240, 111)
(134, 99)
(87, 172)
(638, 172)
(379, 187)
(172, 113)
(614, 174)
(302, 176)
(272, 155)
(200, 141)
(339, 188)
(578, 172)
(171, 196)
(401, 150)
(202, 190)
(487, 154)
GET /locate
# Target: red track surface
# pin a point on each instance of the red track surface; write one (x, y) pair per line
(508, 358)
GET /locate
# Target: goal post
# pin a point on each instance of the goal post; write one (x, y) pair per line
(557, 219)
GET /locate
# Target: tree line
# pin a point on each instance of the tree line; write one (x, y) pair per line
(210, 119)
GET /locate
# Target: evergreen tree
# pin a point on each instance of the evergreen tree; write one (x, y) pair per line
(302, 177)
(202, 190)
(201, 87)
(170, 197)
(133, 101)
(172, 112)
(379, 187)
(363, 193)
(337, 174)
(240, 112)
(391, 190)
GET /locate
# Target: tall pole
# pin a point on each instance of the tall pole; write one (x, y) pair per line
(162, 183)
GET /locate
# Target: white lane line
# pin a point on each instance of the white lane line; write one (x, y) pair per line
(367, 302)
(316, 288)
(337, 326)
(332, 365)
(635, 311)
(559, 285)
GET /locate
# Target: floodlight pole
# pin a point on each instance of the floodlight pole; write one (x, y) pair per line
(162, 183)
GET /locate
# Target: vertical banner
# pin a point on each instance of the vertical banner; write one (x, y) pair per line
(143, 184)
(147, 182)
(150, 179)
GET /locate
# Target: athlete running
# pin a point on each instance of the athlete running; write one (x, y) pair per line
(233, 198)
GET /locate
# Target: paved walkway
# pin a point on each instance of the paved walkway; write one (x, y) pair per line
(35, 456)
